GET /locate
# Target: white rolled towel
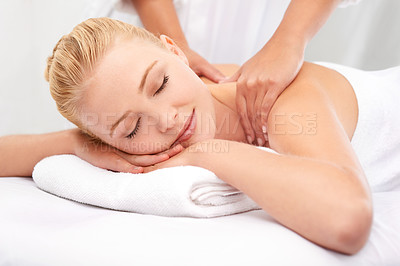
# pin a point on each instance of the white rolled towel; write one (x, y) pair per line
(177, 191)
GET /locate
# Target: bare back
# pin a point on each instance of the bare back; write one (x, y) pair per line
(311, 76)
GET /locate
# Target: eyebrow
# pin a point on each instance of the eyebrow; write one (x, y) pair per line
(141, 86)
(144, 78)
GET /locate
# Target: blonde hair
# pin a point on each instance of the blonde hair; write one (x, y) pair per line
(75, 56)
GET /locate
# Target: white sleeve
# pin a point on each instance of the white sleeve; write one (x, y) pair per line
(346, 3)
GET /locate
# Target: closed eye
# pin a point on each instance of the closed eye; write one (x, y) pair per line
(134, 132)
(164, 83)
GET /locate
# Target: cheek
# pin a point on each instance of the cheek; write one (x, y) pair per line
(189, 84)
(150, 141)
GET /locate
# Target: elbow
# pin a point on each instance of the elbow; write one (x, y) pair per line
(353, 231)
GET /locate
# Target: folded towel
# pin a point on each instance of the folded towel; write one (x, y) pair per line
(176, 191)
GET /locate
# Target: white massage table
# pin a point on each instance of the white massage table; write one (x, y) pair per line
(37, 228)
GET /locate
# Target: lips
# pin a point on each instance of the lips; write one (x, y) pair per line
(187, 130)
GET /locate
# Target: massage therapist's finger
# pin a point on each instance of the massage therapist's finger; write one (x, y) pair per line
(209, 71)
(266, 106)
(251, 115)
(248, 89)
(202, 67)
(244, 120)
(232, 78)
(260, 140)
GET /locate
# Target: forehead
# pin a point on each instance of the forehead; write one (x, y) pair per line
(122, 67)
(126, 56)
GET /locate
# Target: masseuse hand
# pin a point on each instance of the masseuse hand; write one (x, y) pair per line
(107, 157)
(259, 83)
(201, 66)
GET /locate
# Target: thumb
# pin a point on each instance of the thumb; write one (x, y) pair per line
(232, 78)
(212, 74)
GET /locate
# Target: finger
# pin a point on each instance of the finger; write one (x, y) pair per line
(247, 88)
(260, 140)
(146, 160)
(153, 167)
(268, 101)
(232, 78)
(150, 159)
(142, 160)
(114, 162)
(175, 150)
(213, 74)
(244, 120)
(266, 106)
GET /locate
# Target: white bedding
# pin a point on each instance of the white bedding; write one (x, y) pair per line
(37, 228)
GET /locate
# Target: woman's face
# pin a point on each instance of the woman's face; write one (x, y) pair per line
(141, 98)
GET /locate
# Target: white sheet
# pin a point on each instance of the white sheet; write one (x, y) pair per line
(37, 228)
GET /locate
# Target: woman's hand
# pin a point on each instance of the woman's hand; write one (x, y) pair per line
(189, 156)
(107, 157)
(185, 157)
(261, 80)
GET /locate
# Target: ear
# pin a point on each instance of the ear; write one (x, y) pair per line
(173, 47)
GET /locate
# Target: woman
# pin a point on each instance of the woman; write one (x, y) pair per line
(269, 36)
(136, 94)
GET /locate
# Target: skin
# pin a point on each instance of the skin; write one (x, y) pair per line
(315, 185)
(162, 115)
(263, 77)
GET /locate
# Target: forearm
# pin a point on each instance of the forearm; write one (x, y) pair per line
(317, 200)
(303, 19)
(20, 153)
(159, 17)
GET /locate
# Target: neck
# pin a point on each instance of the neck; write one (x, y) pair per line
(227, 120)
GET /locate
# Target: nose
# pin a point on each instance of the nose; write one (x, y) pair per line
(168, 120)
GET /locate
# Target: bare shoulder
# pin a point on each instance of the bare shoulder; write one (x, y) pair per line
(317, 84)
(315, 117)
